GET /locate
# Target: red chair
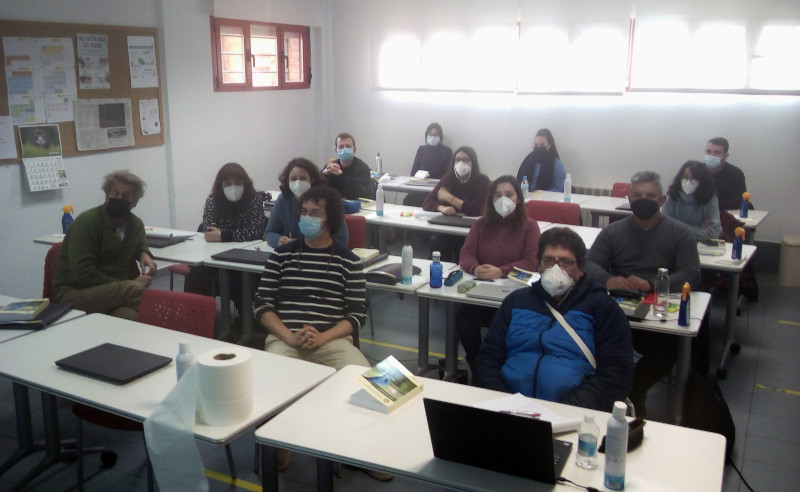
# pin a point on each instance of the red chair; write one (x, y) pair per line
(557, 212)
(357, 231)
(620, 190)
(50, 267)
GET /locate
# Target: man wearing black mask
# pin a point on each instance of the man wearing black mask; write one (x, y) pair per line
(94, 265)
(627, 255)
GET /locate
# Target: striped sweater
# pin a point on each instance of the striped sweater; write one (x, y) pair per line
(320, 287)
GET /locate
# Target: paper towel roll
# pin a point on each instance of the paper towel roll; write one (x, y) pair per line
(225, 385)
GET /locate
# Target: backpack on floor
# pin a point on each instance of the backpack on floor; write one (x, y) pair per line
(705, 408)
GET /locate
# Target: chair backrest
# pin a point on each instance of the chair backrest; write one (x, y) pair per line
(357, 228)
(50, 267)
(560, 213)
(180, 311)
(620, 190)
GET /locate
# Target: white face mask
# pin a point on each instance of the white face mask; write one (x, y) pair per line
(689, 186)
(433, 140)
(234, 192)
(504, 206)
(556, 281)
(462, 170)
(298, 187)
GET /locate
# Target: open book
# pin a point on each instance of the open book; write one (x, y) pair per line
(25, 310)
(523, 276)
(387, 385)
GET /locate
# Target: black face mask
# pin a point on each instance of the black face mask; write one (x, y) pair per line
(539, 153)
(644, 208)
(118, 208)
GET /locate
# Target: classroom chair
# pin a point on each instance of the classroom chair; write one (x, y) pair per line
(557, 212)
(357, 230)
(180, 311)
(51, 265)
(620, 190)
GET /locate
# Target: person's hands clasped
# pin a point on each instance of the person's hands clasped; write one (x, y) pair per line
(144, 279)
(631, 282)
(213, 234)
(332, 168)
(310, 338)
(284, 239)
(487, 272)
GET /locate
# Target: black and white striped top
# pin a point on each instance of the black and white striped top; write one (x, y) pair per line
(319, 287)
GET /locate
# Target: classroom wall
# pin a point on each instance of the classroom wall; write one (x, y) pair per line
(601, 139)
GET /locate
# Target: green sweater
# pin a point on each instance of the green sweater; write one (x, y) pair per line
(93, 254)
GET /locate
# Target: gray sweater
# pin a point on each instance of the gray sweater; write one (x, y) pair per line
(623, 248)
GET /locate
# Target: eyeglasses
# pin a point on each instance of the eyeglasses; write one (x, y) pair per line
(316, 213)
(548, 261)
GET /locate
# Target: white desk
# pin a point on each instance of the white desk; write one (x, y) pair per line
(605, 206)
(751, 223)
(402, 184)
(588, 234)
(558, 196)
(670, 458)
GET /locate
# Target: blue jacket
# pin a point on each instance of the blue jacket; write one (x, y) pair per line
(527, 350)
(284, 220)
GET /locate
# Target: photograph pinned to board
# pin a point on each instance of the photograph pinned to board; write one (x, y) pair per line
(93, 71)
(103, 123)
(41, 157)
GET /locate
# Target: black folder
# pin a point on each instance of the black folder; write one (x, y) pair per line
(113, 363)
(453, 220)
(239, 255)
(161, 242)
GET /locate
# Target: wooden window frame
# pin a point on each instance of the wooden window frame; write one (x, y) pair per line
(281, 30)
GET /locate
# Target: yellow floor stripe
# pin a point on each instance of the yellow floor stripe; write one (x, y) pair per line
(784, 322)
(398, 347)
(779, 390)
(242, 484)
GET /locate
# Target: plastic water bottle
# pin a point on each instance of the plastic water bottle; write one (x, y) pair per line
(407, 265)
(525, 185)
(436, 270)
(568, 189)
(379, 163)
(67, 218)
(661, 291)
(616, 448)
(379, 201)
(185, 359)
(588, 434)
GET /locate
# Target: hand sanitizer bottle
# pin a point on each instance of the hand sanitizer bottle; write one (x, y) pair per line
(185, 359)
(745, 207)
(616, 448)
(407, 266)
(67, 218)
(568, 189)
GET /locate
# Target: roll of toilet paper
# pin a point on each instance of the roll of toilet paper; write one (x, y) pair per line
(225, 385)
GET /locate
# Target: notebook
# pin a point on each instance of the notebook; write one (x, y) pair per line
(52, 313)
(504, 443)
(453, 220)
(632, 303)
(238, 255)
(492, 291)
(161, 242)
(113, 363)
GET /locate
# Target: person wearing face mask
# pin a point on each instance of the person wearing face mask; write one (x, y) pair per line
(691, 199)
(627, 255)
(543, 166)
(348, 174)
(502, 239)
(296, 178)
(527, 350)
(94, 264)
(434, 157)
(234, 212)
(729, 179)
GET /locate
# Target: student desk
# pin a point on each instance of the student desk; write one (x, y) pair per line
(417, 220)
(29, 360)
(751, 223)
(670, 458)
(600, 206)
(557, 196)
(401, 184)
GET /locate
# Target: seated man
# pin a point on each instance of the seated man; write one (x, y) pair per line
(348, 174)
(627, 255)
(728, 178)
(95, 260)
(527, 350)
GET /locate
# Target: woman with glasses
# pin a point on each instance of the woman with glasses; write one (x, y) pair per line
(502, 239)
(543, 166)
(692, 199)
(296, 178)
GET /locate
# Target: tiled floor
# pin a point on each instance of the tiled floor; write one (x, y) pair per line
(767, 419)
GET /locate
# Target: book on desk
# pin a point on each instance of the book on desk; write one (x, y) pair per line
(386, 386)
(24, 310)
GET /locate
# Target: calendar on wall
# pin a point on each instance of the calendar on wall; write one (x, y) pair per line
(41, 157)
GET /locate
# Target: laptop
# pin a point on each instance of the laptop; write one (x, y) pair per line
(238, 255)
(161, 242)
(113, 363)
(422, 182)
(511, 444)
(453, 220)
(491, 291)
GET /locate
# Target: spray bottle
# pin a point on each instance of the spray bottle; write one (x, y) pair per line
(738, 240)
(745, 205)
(67, 218)
(685, 310)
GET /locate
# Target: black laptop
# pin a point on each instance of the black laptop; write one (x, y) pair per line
(453, 220)
(162, 242)
(238, 255)
(113, 363)
(511, 444)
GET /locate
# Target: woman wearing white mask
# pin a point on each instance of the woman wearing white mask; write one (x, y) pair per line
(502, 239)
(463, 189)
(692, 199)
(298, 176)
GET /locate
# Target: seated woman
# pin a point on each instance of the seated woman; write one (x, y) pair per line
(434, 157)
(234, 212)
(462, 190)
(502, 239)
(543, 167)
(298, 176)
(692, 199)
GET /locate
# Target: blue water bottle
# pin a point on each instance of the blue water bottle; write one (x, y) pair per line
(745, 205)
(67, 218)
(436, 270)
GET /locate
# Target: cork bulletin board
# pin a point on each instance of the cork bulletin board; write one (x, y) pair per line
(117, 84)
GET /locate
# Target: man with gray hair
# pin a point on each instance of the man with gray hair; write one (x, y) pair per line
(94, 265)
(627, 255)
